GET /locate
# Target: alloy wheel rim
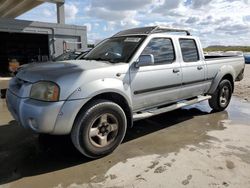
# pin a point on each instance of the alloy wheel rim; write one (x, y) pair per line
(103, 130)
(224, 96)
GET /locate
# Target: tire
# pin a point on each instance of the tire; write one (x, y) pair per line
(221, 97)
(99, 128)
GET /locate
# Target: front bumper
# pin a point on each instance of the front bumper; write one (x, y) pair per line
(44, 117)
(37, 115)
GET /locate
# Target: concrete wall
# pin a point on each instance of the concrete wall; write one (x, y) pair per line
(57, 33)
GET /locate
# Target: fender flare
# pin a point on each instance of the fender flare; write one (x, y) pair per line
(223, 71)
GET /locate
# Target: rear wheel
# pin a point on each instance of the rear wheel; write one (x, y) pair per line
(222, 96)
(99, 129)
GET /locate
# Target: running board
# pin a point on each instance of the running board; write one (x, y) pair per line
(157, 111)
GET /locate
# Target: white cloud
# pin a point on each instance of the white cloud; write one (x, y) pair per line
(110, 26)
(48, 13)
(166, 24)
(200, 3)
(214, 21)
(170, 4)
(71, 11)
(120, 5)
(115, 18)
(89, 26)
(192, 20)
(107, 15)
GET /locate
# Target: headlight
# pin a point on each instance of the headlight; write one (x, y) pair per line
(45, 91)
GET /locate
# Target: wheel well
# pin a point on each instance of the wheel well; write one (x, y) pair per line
(118, 99)
(230, 78)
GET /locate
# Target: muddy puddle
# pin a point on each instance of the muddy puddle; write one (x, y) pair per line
(187, 147)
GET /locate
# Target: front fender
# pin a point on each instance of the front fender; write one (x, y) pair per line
(106, 85)
(223, 71)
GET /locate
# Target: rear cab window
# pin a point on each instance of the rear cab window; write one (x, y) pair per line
(189, 50)
(162, 49)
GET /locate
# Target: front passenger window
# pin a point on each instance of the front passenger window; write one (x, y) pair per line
(162, 49)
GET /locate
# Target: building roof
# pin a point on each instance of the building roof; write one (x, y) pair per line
(14, 8)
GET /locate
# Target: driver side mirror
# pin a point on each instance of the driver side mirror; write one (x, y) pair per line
(145, 60)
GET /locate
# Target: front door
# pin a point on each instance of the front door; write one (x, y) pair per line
(156, 84)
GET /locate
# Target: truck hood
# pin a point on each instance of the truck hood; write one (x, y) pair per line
(69, 75)
(53, 71)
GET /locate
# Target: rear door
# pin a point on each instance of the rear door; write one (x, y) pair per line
(193, 69)
(156, 84)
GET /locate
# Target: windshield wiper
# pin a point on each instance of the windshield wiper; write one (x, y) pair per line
(101, 59)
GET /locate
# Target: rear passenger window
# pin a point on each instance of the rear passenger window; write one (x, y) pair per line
(162, 49)
(189, 50)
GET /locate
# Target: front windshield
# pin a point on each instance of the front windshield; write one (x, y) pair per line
(115, 50)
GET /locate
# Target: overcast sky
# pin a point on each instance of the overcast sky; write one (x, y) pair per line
(223, 22)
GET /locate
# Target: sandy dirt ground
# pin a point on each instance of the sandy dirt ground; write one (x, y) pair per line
(242, 88)
(187, 148)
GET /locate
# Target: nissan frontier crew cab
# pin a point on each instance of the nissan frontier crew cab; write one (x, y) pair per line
(135, 74)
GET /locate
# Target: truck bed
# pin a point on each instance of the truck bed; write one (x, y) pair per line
(233, 62)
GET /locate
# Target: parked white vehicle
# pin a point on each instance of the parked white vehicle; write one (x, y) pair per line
(135, 74)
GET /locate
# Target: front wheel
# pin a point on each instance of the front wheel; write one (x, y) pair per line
(99, 129)
(222, 96)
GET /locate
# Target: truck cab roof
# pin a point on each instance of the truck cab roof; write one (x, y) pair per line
(150, 30)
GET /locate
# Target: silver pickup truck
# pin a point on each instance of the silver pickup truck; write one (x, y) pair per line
(135, 74)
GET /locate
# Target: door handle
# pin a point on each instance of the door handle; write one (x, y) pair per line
(199, 68)
(176, 70)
